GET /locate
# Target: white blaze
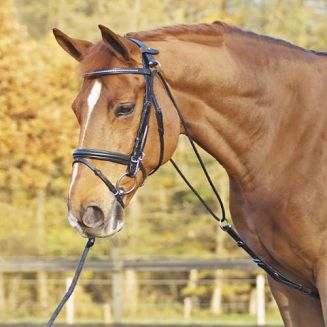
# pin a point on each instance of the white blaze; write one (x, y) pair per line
(92, 100)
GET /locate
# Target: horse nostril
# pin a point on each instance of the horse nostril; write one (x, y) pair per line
(93, 217)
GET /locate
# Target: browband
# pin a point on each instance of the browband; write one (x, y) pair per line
(118, 71)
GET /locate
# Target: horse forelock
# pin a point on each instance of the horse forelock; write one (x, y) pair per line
(99, 56)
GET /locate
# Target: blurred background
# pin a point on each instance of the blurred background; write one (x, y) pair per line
(171, 263)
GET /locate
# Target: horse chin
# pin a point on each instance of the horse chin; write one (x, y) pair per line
(112, 224)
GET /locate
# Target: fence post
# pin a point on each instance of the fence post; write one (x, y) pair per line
(2, 292)
(253, 301)
(116, 285)
(192, 284)
(69, 305)
(107, 313)
(40, 218)
(14, 286)
(42, 288)
(261, 314)
(131, 291)
(187, 307)
(216, 298)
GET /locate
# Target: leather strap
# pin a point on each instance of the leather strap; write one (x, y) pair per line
(117, 193)
(276, 275)
(147, 53)
(119, 71)
(115, 157)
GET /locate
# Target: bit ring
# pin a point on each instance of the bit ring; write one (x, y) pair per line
(123, 190)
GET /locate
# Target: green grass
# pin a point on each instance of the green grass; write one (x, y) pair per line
(150, 313)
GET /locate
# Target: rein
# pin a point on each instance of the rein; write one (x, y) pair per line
(89, 244)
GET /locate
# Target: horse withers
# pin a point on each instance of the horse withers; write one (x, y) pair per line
(256, 104)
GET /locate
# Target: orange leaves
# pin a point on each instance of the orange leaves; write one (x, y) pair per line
(35, 101)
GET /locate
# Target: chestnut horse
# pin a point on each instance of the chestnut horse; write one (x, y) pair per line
(256, 104)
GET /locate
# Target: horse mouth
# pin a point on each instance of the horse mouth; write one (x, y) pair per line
(111, 225)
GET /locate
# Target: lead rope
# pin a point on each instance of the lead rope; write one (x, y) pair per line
(73, 284)
(222, 221)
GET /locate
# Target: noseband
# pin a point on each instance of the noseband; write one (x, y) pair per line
(133, 161)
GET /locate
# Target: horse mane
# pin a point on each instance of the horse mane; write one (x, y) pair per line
(182, 30)
(185, 32)
(99, 56)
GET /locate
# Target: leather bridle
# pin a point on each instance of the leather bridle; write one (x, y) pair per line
(134, 164)
(133, 161)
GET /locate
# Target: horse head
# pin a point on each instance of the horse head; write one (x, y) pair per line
(121, 130)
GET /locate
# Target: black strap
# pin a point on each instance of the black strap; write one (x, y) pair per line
(161, 132)
(119, 71)
(89, 244)
(147, 53)
(102, 155)
(265, 266)
(116, 192)
(198, 156)
(142, 133)
(111, 156)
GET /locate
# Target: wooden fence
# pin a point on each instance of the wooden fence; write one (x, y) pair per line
(43, 266)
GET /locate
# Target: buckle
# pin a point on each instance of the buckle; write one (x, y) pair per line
(133, 160)
(136, 162)
(225, 225)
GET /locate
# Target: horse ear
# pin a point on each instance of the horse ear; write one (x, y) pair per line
(75, 47)
(118, 44)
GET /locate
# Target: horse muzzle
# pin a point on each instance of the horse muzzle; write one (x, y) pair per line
(93, 222)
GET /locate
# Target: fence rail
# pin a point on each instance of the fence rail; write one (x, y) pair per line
(60, 265)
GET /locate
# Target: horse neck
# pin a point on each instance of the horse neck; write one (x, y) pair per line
(229, 100)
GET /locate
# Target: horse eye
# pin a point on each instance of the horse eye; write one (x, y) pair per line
(124, 110)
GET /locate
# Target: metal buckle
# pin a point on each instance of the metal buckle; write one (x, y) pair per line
(155, 66)
(224, 224)
(120, 190)
(137, 162)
